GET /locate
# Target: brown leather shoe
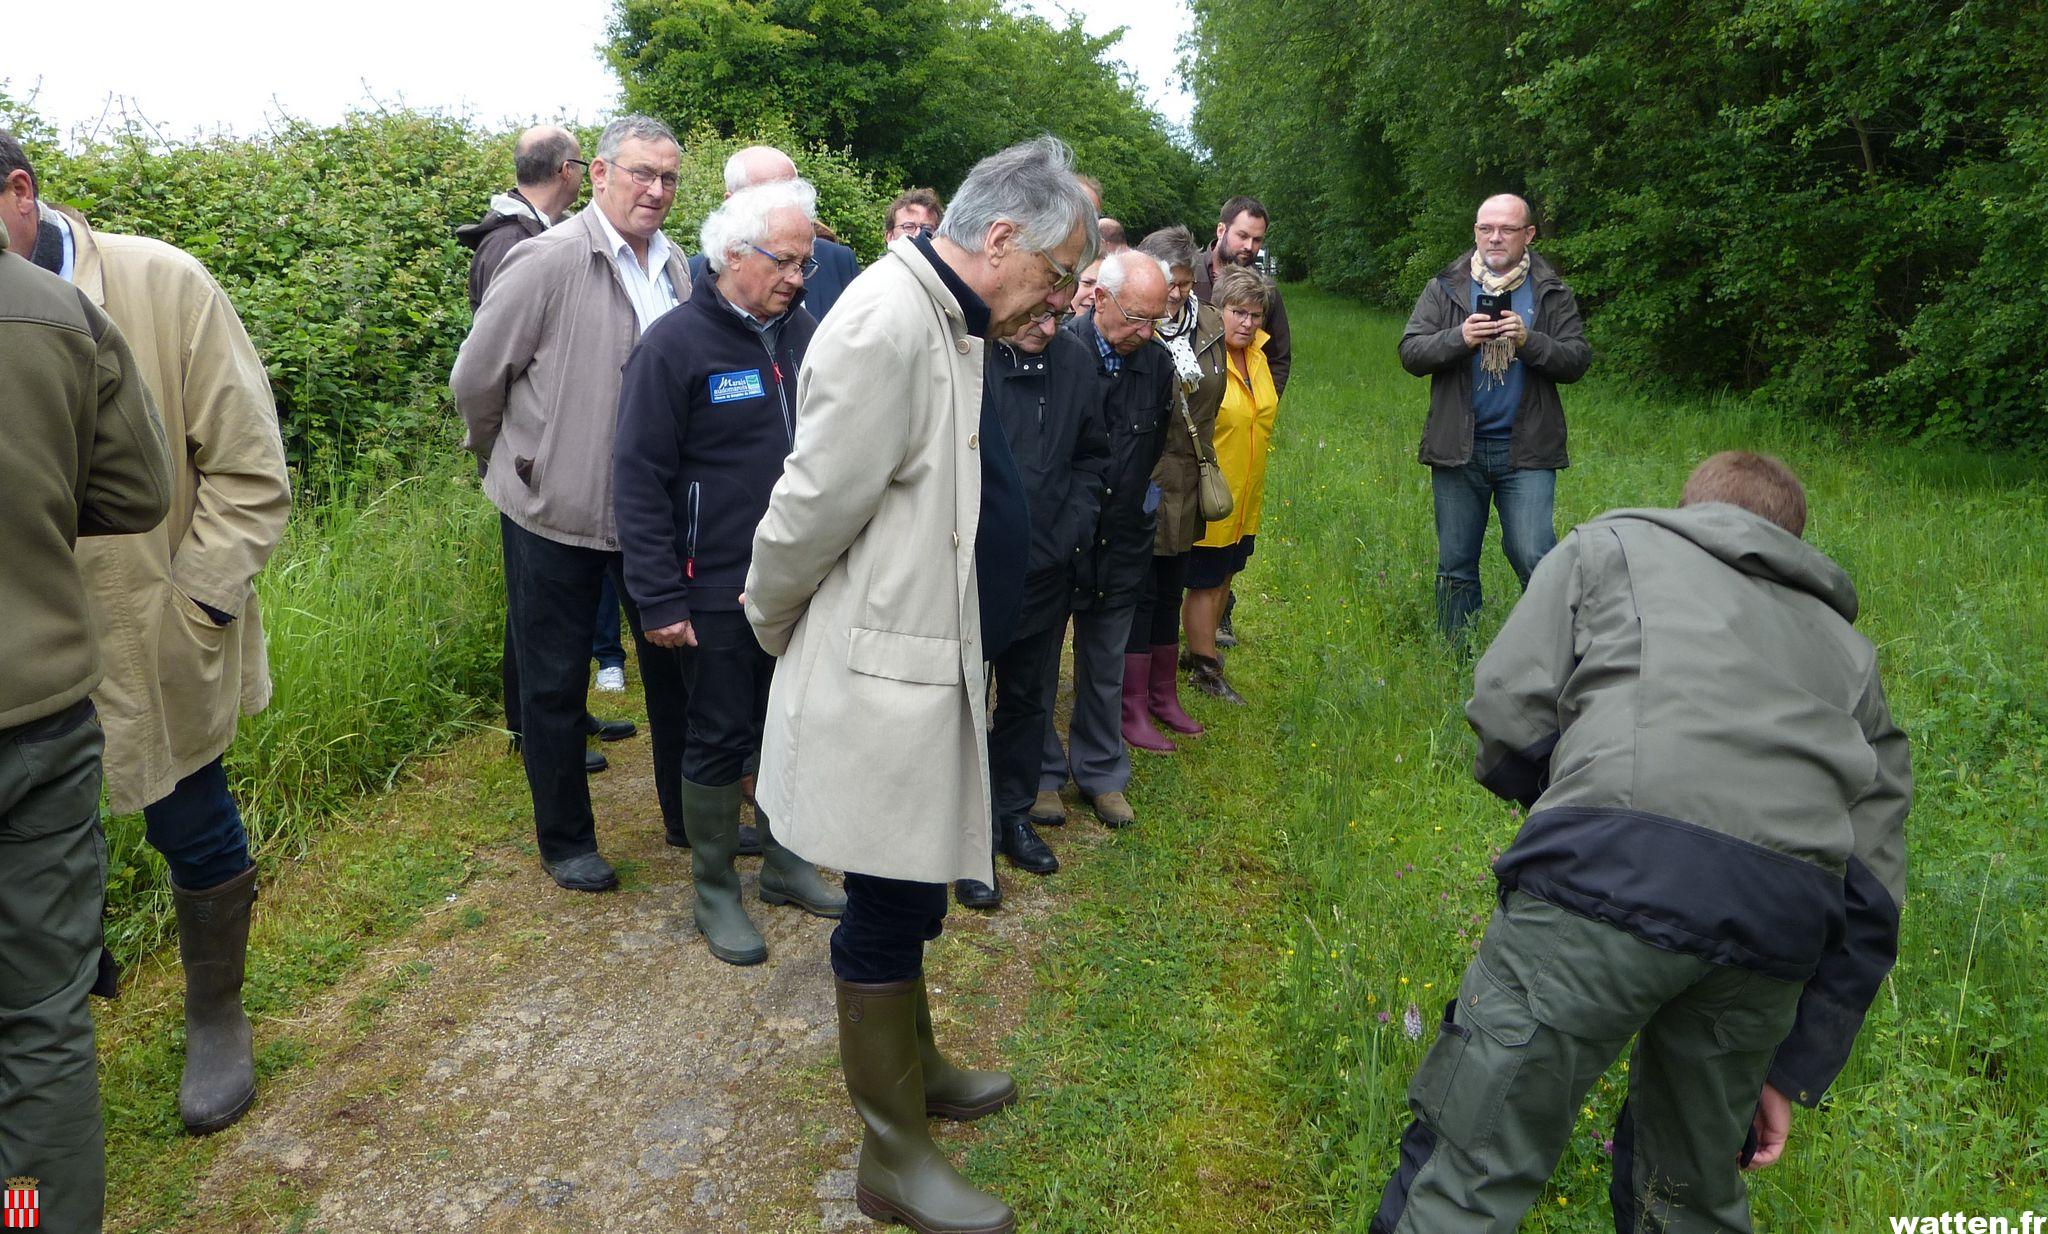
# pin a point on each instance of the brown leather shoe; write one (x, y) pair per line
(1113, 810)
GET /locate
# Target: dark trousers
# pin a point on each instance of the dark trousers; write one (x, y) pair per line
(605, 647)
(1157, 621)
(727, 674)
(198, 830)
(1027, 680)
(887, 923)
(551, 592)
(55, 860)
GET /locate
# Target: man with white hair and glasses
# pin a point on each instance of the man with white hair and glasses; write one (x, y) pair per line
(707, 413)
(833, 264)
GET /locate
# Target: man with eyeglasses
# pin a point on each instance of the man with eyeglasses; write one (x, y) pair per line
(707, 413)
(537, 383)
(1136, 381)
(890, 566)
(1496, 332)
(913, 211)
(834, 265)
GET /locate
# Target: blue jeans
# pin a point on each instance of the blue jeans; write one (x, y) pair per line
(605, 646)
(1526, 498)
(198, 830)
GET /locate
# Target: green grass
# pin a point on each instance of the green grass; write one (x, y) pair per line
(381, 611)
(1263, 1041)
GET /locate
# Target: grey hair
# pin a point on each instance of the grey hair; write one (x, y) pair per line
(1175, 246)
(1117, 267)
(1030, 184)
(743, 218)
(540, 156)
(634, 127)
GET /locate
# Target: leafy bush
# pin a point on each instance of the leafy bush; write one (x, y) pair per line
(1837, 204)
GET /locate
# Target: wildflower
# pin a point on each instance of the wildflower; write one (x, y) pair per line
(1561, 1201)
(1383, 1017)
(1607, 1147)
(1411, 1022)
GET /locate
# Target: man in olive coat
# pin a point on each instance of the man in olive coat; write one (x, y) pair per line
(175, 608)
(85, 457)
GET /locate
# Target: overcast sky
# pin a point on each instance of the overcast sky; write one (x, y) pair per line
(239, 64)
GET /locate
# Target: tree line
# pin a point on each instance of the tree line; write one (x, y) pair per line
(1840, 204)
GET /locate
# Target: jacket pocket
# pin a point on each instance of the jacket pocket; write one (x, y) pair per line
(1464, 1081)
(903, 657)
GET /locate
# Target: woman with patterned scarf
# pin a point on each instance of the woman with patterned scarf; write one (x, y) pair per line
(1192, 334)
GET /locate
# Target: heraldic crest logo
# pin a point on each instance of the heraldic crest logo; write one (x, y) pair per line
(22, 1211)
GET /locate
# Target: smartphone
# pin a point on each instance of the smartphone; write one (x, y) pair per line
(1490, 306)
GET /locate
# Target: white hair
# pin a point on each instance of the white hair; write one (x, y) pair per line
(1117, 267)
(1032, 185)
(743, 218)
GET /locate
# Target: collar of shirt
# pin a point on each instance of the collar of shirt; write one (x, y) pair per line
(648, 287)
(1111, 362)
(46, 217)
(972, 306)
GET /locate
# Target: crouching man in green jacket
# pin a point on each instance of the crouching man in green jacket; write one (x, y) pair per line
(1712, 865)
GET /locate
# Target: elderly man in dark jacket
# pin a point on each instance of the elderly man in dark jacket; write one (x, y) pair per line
(707, 414)
(1137, 381)
(1496, 333)
(1043, 383)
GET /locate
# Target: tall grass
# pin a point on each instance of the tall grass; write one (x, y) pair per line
(1941, 1107)
(382, 612)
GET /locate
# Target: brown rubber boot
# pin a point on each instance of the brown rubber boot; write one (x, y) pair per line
(903, 1177)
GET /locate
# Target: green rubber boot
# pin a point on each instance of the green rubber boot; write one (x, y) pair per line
(788, 879)
(903, 1177)
(711, 817)
(959, 1093)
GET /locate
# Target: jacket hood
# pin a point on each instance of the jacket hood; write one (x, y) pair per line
(1755, 546)
(506, 211)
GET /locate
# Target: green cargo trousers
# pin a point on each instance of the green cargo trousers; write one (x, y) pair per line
(54, 888)
(1542, 1011)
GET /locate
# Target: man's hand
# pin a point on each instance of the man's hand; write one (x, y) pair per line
(1773, 1125)
(1477, 330)
(1511, 323)
(678, 635)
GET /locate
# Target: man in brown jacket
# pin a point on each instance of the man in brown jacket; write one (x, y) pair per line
(537, 383)
(85, 457)
(175, 609)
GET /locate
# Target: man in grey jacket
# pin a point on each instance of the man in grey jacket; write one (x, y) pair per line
(537, 383)
(1713, 864)
(1495, 432)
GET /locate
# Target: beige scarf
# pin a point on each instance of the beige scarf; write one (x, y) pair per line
(1495, 354)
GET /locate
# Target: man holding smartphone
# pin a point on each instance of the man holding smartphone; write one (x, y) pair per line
(1496, 333)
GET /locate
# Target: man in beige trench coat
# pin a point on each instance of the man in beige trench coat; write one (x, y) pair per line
(888, 568)
(175, 608)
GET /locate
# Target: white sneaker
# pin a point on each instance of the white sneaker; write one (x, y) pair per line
(611, 680)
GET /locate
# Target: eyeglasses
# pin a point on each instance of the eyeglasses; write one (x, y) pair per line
(807, 265)
(1154, 322)
(910, 227)
(1067, 278)
(583, 163)
(647, 177)
(1499, 233)
(1252, 315)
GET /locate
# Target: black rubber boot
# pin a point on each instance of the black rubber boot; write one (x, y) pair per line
(903, 1177)
(711, 816)
(959, 1093)
(220, 1060)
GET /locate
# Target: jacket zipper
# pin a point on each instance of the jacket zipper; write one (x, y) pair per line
(690, 541)
(781, 395)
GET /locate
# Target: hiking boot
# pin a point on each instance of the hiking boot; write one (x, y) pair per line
(1113, 810)
(902, 1176)
(1047, 810)
(1207, 676)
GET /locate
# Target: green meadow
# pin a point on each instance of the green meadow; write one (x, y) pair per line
(1219, 1032)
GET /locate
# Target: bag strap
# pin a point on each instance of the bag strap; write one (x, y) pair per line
(1202, 458)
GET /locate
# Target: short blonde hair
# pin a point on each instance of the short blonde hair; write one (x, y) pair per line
(1245, 287)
